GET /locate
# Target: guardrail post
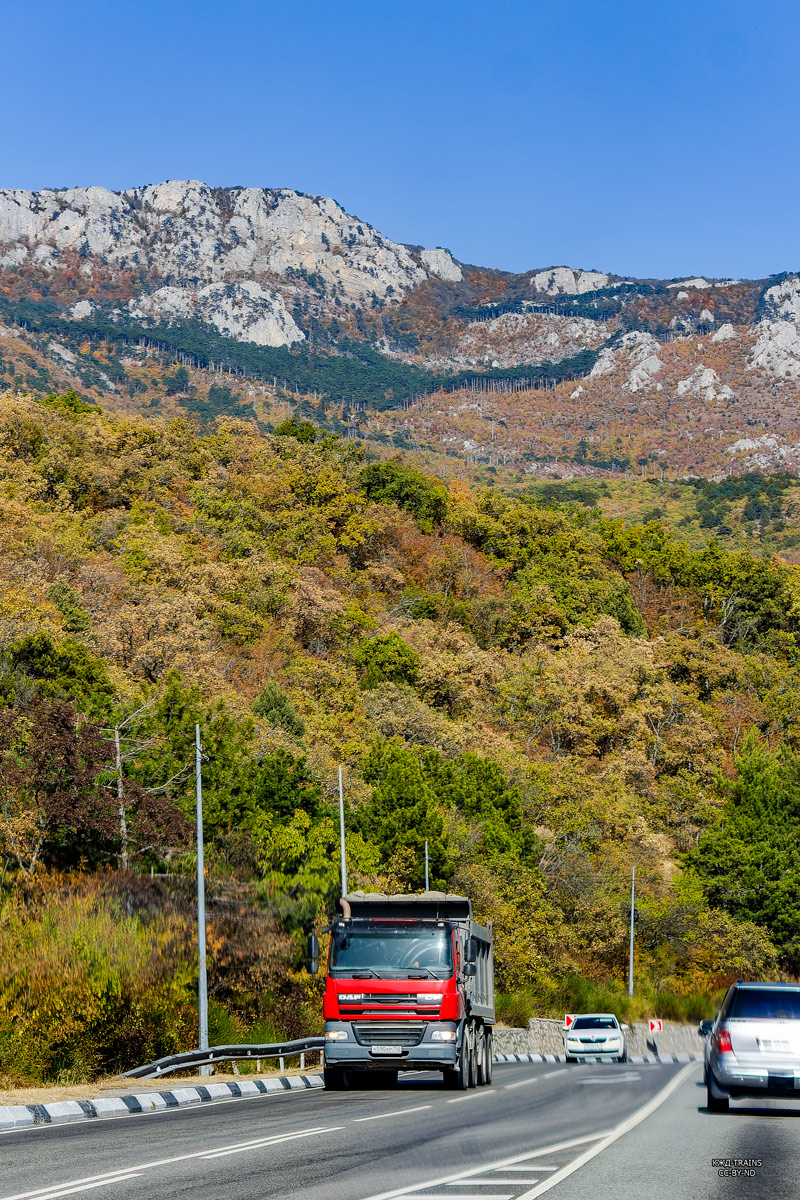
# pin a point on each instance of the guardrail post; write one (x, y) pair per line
(302, 1061)
(281, 1062)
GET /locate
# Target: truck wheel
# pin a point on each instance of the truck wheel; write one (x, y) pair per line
(473, 1065)
(337, 1079)
(459, 1077)
(480, 1055)
(489, 1057)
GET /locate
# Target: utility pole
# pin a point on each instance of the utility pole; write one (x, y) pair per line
(341, 833)
(202, 975)
(633, 918)
(427, 880)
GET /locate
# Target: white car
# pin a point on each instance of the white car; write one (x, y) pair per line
(595, 1035)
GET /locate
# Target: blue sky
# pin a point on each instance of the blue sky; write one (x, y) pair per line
(655, 139)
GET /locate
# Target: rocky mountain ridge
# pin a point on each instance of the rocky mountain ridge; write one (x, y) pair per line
(192, 272)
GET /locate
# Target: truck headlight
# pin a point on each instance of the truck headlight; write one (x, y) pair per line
(443, 1035)
(349, 996)
(336, 1035)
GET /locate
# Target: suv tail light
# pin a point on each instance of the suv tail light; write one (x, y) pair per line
(722, 1041)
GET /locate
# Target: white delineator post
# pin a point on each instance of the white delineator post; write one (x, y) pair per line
(202, 975)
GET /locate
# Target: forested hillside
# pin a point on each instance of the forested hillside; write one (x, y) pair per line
(545, 693)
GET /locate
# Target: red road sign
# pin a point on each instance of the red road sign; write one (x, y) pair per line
(656, 1025)
(568, 1019)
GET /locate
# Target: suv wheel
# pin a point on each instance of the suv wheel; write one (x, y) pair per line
(716, 1104)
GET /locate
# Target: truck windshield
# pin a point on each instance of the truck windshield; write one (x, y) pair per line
(388, 951)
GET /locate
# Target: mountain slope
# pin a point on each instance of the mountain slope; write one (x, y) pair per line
(588, 372)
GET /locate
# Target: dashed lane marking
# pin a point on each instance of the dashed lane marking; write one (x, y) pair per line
(399, 1113)
(123, 1173)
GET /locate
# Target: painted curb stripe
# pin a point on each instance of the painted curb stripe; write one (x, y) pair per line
(13, 1117)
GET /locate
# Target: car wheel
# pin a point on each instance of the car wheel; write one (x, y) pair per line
(717, 1104)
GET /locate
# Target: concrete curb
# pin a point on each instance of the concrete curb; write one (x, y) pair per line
(60, 1112)
(632, 1058)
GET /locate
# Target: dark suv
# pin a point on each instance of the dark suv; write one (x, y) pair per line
(753, 1046)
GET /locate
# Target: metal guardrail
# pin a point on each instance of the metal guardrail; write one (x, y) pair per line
(217, 1054)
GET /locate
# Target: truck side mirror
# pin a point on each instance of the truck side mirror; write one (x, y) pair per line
(313, 953)
(470, 969)
(471, 950)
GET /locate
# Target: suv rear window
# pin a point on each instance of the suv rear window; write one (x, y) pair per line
(769, 1004)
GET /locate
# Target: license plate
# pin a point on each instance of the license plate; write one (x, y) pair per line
(395, 1051)
(773, 1045)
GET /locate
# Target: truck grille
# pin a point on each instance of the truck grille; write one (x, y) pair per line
(387, 1004)
(395, 1035)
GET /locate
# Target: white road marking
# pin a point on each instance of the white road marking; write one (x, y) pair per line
(77, 1185)
(87, 1187)
(472, 1096)
(258, 1143)
(621, 1129)
(552, 1074)
(460, 1196)
(523, 1082)
(627, 1078)
(399, 1113)
(520, 1167)
(468, 1176)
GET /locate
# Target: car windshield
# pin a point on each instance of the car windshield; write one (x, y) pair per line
(594, 1023)
(769, 1004)
(385, 951)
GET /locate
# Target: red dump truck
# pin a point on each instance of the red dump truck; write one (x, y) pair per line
(410, 986)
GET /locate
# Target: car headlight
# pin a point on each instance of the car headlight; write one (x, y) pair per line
(349, 996)
(336, 1035)
(443, 1035)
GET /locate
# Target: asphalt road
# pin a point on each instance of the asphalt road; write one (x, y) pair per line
(540, 1127)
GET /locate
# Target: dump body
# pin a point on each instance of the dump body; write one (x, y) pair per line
(410, 985)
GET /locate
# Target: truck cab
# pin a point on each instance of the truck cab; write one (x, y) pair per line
(410, 986)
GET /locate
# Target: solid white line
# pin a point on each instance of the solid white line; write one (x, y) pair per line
(260, 1143)
(99, 1180)
(469, 1174)
(87, 1187)
(461, 1196)
(399, 1113)
(623, 1128)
